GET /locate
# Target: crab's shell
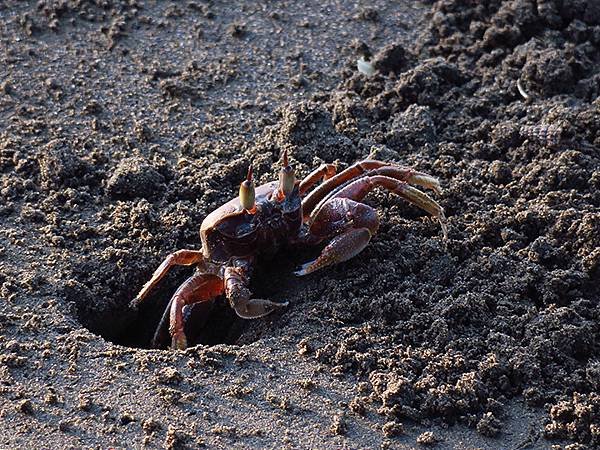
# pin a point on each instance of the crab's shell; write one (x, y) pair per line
(231, 232)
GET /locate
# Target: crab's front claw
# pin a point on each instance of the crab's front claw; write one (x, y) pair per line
(343, 247)
(256, 307)
(179, 341)
(305, 269)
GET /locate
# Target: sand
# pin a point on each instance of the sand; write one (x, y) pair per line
(124, 123)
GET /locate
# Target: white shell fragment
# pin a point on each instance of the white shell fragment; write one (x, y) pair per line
(365, 67)
(522, 90)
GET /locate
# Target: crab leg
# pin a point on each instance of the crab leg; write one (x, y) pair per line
(178, 258)
(366, 167)
(238, 294)
(410, 176)
(164, 320)
(200, 287)
(355, 223)
(324, 172)
(356, 169)
(360, 187)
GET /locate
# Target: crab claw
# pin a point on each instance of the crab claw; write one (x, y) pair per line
(343, 247)
(256, 307)
(304, 269)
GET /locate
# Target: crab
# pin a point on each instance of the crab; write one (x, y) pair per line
(281, 213)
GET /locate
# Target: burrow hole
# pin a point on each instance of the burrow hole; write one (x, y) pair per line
(207, 323)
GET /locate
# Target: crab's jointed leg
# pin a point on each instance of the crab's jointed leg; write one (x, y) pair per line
(238, 294)
(359, 188)
(409, 176)
(200, 287)
(359, 169)
(323, 172)
(354, 223)
(322, 191)
(178, 258)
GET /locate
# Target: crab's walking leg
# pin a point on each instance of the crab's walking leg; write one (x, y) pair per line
(352, 223)
(409, 176)
(178, 258)
(312, 199)
(360, 187)
(164, 320)
(200, 287)
(355, 223)
(238, 294)
(324, 172)
(365, 167)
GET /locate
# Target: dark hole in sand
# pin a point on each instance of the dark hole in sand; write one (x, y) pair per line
(209, 323)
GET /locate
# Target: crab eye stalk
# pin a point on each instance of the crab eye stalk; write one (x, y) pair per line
(247, 194)
(287, 177)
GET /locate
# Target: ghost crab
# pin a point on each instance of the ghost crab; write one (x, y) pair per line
(261, 220)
